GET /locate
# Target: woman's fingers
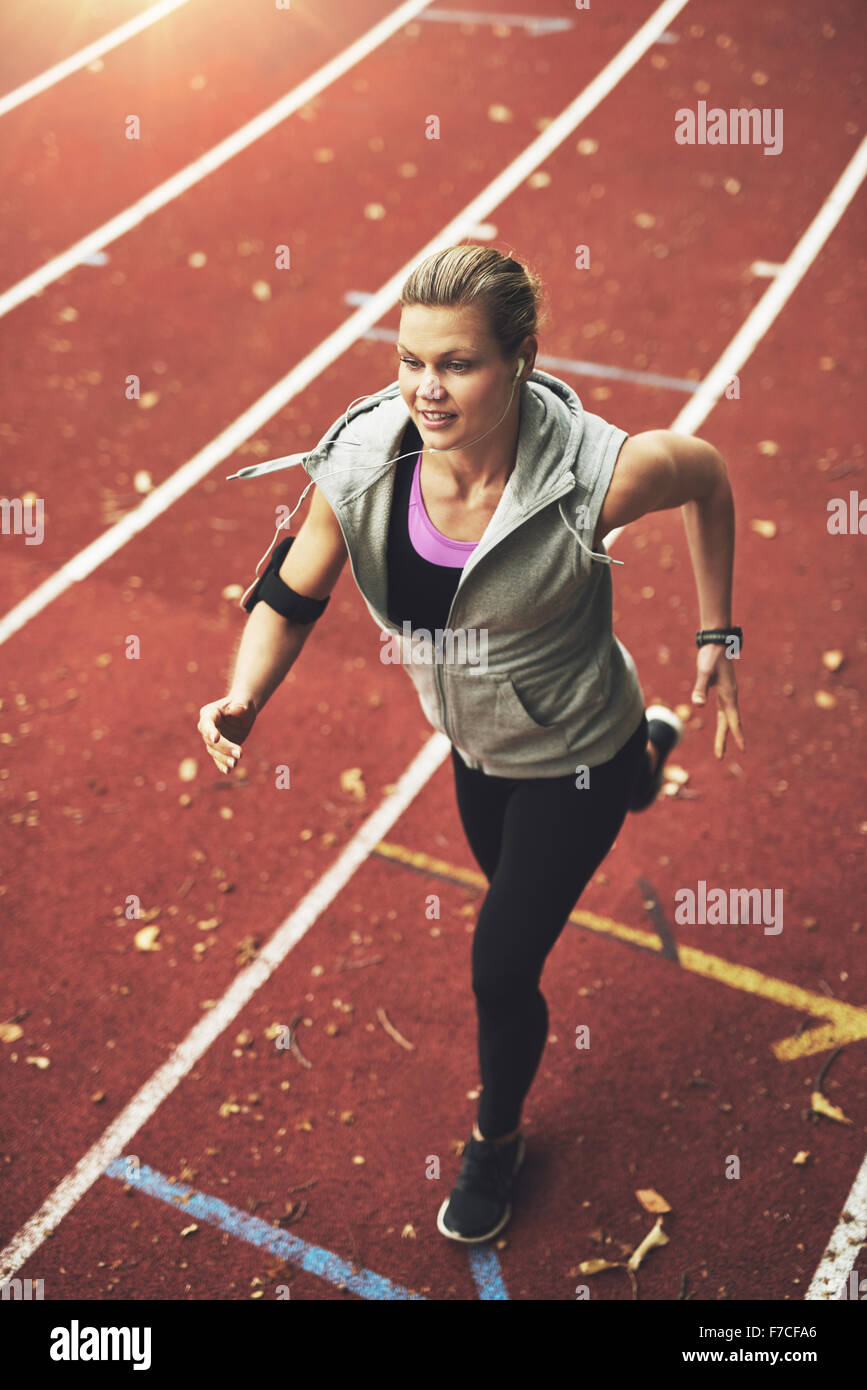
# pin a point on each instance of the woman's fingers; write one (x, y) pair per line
(722, 725)
(728, 718)
(714, 671)
(224, 759)
(225, 752)
(734, 721)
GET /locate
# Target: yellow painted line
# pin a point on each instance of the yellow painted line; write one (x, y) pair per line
(841, 1023)
(820, 1039)
(415, 860)
(848, 1023)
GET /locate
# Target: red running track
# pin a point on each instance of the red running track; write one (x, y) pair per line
(682, 1071)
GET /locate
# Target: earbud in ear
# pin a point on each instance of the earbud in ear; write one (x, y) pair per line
(520, 367)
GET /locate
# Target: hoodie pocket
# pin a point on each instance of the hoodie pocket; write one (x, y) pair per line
(490, 721)
(511, 698)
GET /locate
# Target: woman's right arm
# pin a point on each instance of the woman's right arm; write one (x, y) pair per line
(271, 643)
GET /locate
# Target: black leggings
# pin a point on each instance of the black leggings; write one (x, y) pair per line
(538, 842)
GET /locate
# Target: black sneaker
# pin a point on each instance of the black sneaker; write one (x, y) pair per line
(480, 1204)
(664, 730)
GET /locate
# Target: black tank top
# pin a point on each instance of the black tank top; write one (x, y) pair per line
(419, 591)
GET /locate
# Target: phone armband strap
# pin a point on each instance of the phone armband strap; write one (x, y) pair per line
(272, 590)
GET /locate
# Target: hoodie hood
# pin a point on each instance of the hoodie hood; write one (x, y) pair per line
(367, 440)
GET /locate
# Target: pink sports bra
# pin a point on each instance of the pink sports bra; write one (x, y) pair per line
(430, 543)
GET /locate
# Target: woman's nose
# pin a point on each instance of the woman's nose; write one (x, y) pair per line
(431, 388)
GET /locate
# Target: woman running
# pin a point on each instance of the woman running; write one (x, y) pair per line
(472, 498)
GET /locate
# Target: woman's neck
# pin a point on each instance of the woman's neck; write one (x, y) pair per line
(481, 468)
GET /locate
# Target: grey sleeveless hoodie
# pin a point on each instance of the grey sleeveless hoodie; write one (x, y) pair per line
(556, 689)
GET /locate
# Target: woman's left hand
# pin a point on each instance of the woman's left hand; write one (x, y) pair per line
(715, 669)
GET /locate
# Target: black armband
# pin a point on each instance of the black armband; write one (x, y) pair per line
(278, 595)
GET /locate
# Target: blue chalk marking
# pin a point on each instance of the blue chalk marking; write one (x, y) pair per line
(291, 1248)
(487, 1274)
(484, 1264)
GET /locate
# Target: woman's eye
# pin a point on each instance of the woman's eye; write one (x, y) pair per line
(460, 366)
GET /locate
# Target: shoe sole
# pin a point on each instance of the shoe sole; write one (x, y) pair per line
(660, 714)
(505, 1219)
(667, 716)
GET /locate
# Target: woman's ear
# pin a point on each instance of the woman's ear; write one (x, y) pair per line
(528, 350)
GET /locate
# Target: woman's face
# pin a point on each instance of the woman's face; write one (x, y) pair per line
(448, 363)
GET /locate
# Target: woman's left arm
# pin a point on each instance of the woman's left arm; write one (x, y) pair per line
(656, 471)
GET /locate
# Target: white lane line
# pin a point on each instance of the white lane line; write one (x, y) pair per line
(158, 1087)
(338, 342)
(150, 1096)
(841, 1252)
(54, 74)
(760, 318)
(179, 183)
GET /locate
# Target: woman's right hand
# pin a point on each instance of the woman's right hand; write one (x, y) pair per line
(224, 725)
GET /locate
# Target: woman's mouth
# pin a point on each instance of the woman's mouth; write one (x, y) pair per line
(436, 419)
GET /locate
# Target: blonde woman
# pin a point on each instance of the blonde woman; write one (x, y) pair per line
(471, 497)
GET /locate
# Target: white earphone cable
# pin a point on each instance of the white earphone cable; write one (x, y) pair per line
(356, 443)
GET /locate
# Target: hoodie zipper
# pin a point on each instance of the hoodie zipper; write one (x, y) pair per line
(568, 482)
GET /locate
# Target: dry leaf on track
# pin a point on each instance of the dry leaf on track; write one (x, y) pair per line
(822, 1106)
(596, 1266)
(655, 1236)
(352, 781)
(651, 1200)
